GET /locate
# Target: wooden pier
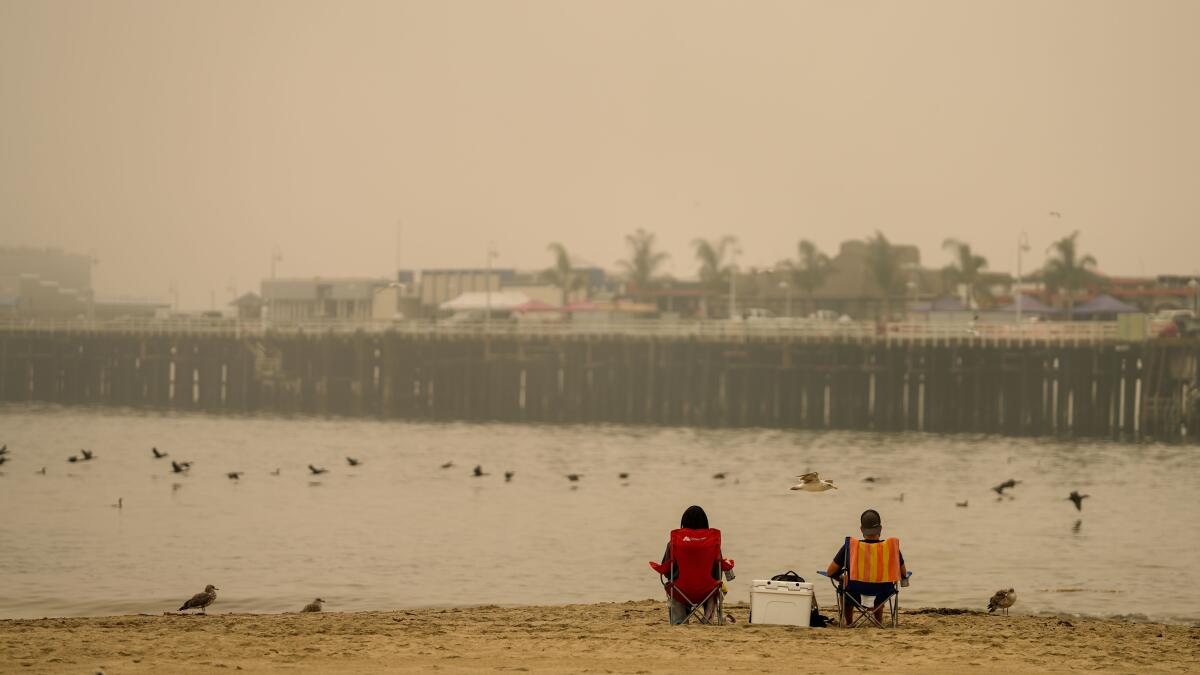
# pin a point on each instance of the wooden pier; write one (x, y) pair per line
(1092, 388)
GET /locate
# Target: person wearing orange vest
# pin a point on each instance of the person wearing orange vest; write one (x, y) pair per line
(877, 567)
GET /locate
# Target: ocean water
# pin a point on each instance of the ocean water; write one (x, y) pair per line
(399, 531)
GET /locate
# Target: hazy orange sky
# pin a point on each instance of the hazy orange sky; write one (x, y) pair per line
(182, 140)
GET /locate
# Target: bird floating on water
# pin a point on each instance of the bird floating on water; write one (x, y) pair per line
(811, 482)
(235, 475)
(72, 459)
(719, 476)
(870, 479)
(353, 462)
(314, 606)
(962, 504)
(623, 475)
(1078, 499)
(1002, 600)
(316, 471)
(157, 454)
(1010, 483)
(201, 600)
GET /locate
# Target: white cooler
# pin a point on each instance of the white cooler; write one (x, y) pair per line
(781, 602)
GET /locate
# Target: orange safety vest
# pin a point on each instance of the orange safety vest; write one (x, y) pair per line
(874, 563)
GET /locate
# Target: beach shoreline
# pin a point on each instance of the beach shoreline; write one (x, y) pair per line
(626, 637)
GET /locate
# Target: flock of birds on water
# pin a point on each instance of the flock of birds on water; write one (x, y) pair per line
(811, 481)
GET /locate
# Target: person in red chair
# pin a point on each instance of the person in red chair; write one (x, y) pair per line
(875, 568)
(691, 569)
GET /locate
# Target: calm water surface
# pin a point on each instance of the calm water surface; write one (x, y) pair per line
(401, 532)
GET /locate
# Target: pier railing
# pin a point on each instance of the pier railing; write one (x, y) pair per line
(1082, 332)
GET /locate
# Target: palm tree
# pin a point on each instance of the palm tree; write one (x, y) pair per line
(714, 271)
(643, 259)
(965, 269)
(810, 270)
(883, 264)
(1068, 271)
(562, 274)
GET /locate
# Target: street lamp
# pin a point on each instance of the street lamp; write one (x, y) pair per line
(1022, 246)
(733, 281)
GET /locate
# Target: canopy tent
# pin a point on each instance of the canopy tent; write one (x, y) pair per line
(582, 306)
(1103, 304)
(1028, 306)
(535, 305)
(500, 301)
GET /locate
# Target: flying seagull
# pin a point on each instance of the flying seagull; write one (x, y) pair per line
(3, 459)
(811, 482)
(1078, 499)
(316, 471)
(352, 462)
(314, 606)
(478, 471)
(201, 600)
(1002, 600)
(235, 475)
(508, 476)
(157, 454)
(180, 467)
(87, 454)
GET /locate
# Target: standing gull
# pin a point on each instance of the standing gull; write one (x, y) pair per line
(1002, 600)
(201, 600)
(314, 606)
(1078, 499)
(811, 482)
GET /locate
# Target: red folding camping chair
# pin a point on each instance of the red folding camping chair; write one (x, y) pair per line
(687, 574)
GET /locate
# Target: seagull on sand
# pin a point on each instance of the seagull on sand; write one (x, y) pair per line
(314, 606)
(157, 454)
(478, 471)
(811, 482)
(352, 462)
(235, 475)
(180, 467)
(1078, 499)
(999, 489)
(201, 600)
(508, 476)
(316, 471)
(1002, 600)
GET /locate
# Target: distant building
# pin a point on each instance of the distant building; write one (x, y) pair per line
(249, 306)
(319, 299)
(45, 282)
(441, 285)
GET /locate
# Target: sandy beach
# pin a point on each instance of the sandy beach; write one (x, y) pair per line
(630, 637)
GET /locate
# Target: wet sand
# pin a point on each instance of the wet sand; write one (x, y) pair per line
(630, 637)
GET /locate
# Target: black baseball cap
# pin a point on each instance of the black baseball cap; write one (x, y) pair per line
(870, 522)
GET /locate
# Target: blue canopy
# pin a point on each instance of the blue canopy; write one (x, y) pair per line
(1029, 306)
(1103, 304)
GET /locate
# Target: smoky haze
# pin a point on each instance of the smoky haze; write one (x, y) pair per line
(181, 141)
